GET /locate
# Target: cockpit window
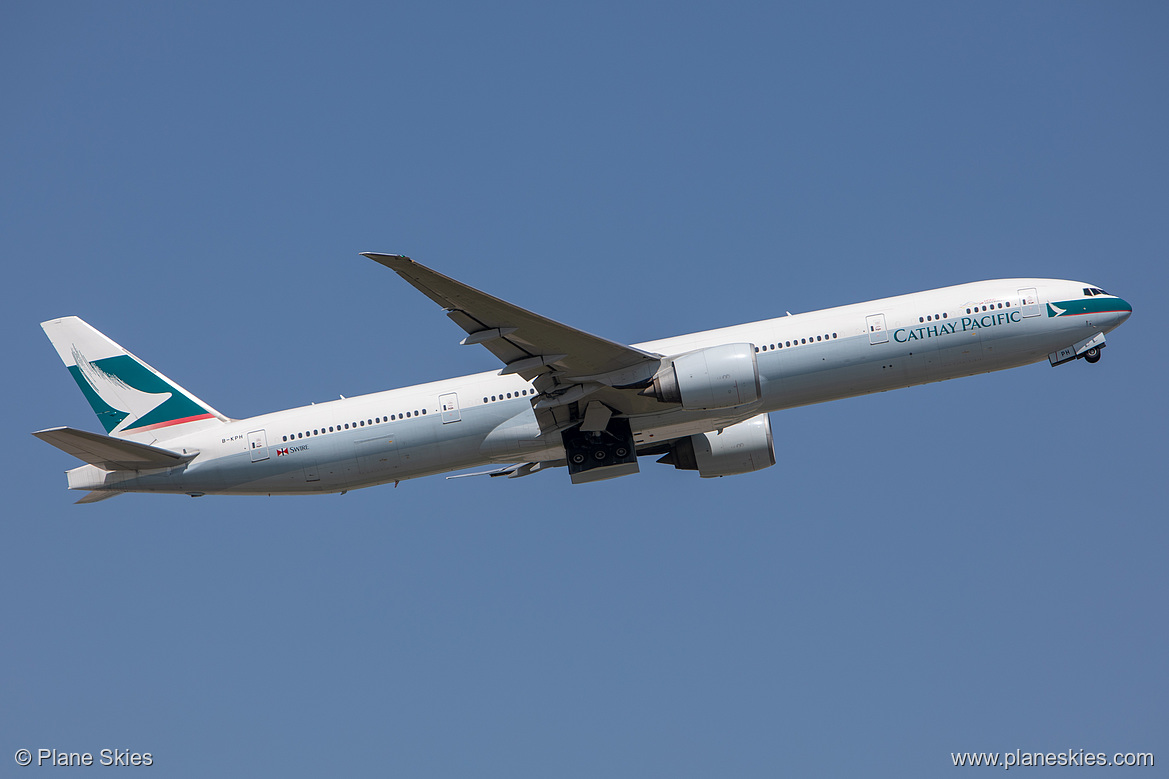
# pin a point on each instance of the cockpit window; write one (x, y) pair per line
(1089, 291)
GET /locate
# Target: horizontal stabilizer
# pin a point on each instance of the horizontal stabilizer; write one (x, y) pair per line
(112, 454)
(96, 495)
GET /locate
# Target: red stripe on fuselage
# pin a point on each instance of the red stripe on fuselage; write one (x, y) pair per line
(172, 422)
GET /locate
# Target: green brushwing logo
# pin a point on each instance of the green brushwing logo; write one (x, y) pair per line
(1086, 306)
(126, 396)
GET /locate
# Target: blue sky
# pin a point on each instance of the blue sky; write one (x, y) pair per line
(976, 565)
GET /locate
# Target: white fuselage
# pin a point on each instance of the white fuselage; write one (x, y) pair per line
(487, 418)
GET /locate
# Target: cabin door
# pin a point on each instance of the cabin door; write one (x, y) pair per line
(449, 404)
(1030, 300)
(258, 445)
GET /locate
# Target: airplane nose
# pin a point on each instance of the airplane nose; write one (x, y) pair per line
(1125, 311)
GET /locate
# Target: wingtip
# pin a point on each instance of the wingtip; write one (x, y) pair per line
(389, 260)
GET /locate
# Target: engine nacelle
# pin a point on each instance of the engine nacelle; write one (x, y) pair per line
(716, 377)
(740, 448)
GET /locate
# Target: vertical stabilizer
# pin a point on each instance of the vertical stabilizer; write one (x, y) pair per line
(131, 399)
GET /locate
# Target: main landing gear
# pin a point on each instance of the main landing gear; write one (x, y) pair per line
(600, 454)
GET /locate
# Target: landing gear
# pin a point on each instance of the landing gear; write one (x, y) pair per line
(1088, 349)
(597, 455)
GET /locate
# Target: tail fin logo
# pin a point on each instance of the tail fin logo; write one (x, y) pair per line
(127, 403)
(129, 397)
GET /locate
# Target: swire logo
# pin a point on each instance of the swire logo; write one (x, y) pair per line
(281, 452)
(290, 449)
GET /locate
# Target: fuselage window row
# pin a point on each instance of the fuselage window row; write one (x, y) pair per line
(354, 425)
(797, 342)
(976, 309)
(508, 396)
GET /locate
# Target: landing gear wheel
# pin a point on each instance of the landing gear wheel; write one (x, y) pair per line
(1093, 354)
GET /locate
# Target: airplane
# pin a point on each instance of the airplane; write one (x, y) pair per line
(564, 397)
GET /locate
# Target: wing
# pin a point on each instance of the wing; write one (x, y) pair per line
(565, 364)
(527, 343)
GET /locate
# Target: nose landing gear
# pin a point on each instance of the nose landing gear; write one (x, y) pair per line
(1088, 349)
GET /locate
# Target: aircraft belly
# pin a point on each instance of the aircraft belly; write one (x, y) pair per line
(792, 378)
(237, 475)
(508, 438)
(960, 350)
(377, 454)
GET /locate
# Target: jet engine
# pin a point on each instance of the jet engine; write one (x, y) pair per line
(716, 377)
(740, 448)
